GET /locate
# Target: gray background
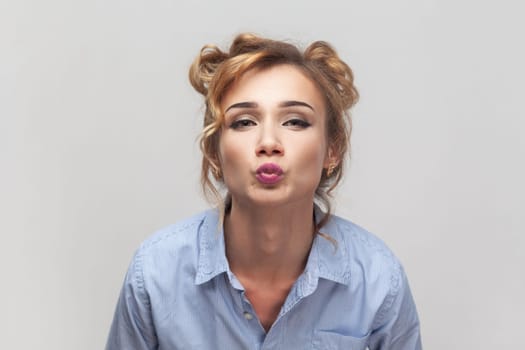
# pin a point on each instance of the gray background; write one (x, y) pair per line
(98, 128)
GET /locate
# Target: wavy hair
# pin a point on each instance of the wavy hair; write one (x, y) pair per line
(214, 71)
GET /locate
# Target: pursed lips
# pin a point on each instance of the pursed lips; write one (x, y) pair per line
(269, 173)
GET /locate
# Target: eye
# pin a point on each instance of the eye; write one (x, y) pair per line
(242, 123)
(297, 123)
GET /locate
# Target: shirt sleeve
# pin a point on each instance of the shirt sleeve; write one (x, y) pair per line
(132, 326)
(397, 323)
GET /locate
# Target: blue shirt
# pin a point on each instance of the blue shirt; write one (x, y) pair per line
(179, 293)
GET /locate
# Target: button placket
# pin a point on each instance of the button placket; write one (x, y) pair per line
(248, 312)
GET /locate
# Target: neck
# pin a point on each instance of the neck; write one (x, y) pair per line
(269, 244)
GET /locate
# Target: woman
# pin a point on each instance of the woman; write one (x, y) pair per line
(268, 269)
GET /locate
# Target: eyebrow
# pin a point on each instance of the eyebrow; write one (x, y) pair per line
(242, 105)
(295, 103)
(291, 103)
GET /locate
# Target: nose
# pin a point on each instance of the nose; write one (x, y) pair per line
(269, 143)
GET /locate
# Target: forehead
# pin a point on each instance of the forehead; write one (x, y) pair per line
(273, 85)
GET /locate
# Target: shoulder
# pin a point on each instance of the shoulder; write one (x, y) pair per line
(373, 268)
(372, 263)
(184, 233)
(169, 257)
(180, 233)
(369, 259)
(361, 243)
(170, 248)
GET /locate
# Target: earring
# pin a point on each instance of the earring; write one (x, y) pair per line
(330, 169)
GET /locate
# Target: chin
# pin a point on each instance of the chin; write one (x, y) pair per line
(262, 197)
(272, 197)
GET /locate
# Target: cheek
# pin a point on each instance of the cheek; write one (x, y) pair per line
(230, 153)
(319, 149)
(313, 158)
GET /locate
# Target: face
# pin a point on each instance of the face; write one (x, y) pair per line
(273, 145)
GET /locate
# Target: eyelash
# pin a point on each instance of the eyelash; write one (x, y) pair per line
(241, 123)
(294, 122)
(299, 123)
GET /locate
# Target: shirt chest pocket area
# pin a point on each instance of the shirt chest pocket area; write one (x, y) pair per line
(325, 340)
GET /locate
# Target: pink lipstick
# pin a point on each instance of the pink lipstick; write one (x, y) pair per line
(269, 173)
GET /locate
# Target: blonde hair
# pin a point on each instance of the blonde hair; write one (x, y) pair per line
(214, 71)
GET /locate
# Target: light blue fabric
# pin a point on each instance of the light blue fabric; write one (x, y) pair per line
(179, 293)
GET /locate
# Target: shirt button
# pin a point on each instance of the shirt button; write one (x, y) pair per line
(248, 316)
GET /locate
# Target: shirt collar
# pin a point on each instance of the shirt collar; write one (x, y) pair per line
(332, 261)
(212, 254)
(328, 260)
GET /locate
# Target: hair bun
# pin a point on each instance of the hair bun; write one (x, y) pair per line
(204, 66)
(324, 56)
